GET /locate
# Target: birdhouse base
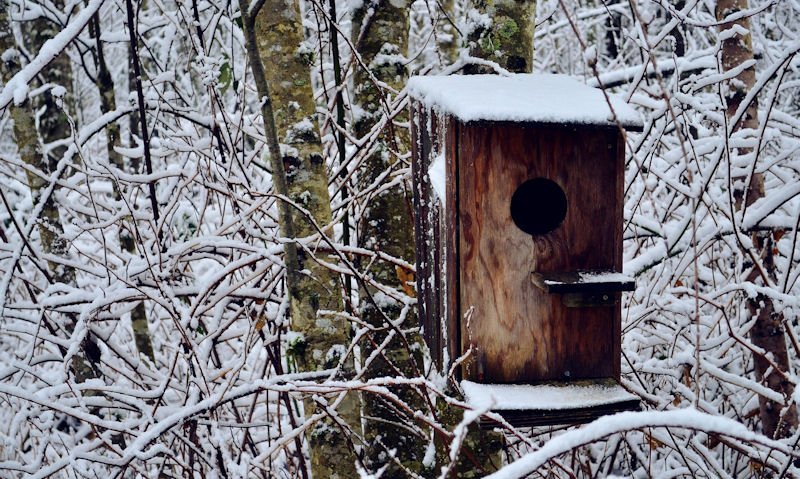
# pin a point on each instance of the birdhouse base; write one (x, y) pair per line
(552, 403)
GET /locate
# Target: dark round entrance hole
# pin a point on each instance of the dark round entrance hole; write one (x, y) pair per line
(538, 206)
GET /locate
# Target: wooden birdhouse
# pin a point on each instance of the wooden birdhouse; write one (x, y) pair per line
(518, 197)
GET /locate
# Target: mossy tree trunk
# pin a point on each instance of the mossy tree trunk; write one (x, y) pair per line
(386, 226)
(274, 38)
(29, 147)
(53, 126)
(53, 122)
(508, 39)
(279, 32)
(768, 331)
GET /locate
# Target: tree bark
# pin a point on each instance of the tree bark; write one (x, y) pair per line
(29, 147)
(768, 332)
(447, 34)
(386, 226)
(274, 38)
(53, 123)
(279, 32)
(108, 102)
(507, 39)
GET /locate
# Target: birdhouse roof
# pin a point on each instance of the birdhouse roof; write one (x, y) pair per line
(528, 98)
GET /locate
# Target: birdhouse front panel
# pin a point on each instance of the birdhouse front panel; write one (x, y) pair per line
(537, 199)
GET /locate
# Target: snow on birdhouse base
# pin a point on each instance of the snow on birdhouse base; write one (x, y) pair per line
(550, 403)
(547, 396)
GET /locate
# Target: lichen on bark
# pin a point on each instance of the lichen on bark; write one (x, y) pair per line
(278, 28)
(502, 31)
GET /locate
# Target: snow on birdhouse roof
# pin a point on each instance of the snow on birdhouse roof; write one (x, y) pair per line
(536, 98)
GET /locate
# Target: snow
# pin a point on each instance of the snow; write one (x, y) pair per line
(590, 55)
(595, 277)
(536, 98)
(437, 178)
(9, 55)
(17, 87)
(58, 91)
(543, 396)
(604, 277)
(430, 455)
(608, 425)
(769, 204)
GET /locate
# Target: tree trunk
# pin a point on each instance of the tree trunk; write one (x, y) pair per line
(53, 123)
(386, 226)
(280, 33)
(508, 40)
(51, 232)
(447, 35)
(108, 102)
(298, 168)
(768, 331)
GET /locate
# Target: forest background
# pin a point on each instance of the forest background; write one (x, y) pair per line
(206, 251)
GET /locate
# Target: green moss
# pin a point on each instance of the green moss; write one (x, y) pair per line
(387, 227)
(508, 29)
(297, 348)
(485, 447)
(509, 40)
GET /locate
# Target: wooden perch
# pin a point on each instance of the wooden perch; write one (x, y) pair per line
(596, 281)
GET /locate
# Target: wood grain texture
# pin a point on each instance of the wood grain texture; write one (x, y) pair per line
(435, 234)
(520, 333)
(450, 234)
(420, 149)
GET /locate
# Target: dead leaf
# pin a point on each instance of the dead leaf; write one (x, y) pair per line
(406, 278)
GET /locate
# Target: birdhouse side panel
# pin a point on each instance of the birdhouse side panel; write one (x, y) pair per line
(517, 332)
(433, 136)
(450, 232)
(420, 149)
